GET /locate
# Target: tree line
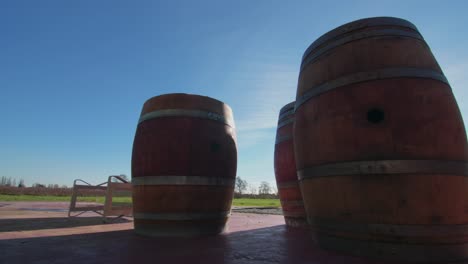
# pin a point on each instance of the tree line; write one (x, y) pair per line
(9, 182)
(244, 189)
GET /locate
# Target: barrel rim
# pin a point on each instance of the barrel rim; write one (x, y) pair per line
(190, 113)
(360, 35)
(356, 25)
(289, 119)
(287, 107)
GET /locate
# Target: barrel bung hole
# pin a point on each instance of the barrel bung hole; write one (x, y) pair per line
(375, 115)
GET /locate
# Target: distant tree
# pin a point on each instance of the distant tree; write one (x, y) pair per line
(252, 189)
(64, 186)
(21, 184)
(5, 181)
(264, 188)
(123, 176)
(241, 185)
(38, 185)
(274, 190)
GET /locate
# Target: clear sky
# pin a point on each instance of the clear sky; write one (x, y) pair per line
(75, 74)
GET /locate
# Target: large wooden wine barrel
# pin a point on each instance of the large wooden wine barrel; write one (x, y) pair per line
(380, 145)
(285, 170)
(183, 166)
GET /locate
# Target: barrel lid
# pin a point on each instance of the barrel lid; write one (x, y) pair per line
(286, 114)
(184, 95)
(356, 25)
(184, 100)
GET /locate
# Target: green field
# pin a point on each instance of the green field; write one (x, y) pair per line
(124, 200)
(256, 202)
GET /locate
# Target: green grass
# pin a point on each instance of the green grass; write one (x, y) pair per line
(256, 202)
(49, 198)
(125, 200)
(32, 198)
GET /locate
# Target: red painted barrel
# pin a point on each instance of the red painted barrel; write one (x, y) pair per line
(285, 170)
(380, 145)
(183, 166)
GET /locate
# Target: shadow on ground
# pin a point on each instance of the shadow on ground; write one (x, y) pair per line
(269, 245)
(26, 224)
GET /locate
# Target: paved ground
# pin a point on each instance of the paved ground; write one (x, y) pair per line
(42, 233)
(257, 210)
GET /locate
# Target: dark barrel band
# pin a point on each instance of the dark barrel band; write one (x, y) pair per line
(358, 36)
(187, 113)
(390, 229)
(292, 203)
(392, 241)
(288, 184)
(180, 216)
(182, 180)
(280, 139)
(286, 114)
(396, 251)
(285, 122)
(443, 167)
(386, 73)
(357, 25)
(294, 215)
(176, 231)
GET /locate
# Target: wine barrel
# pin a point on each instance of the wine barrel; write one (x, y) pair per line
(183, 166)
(380, 145)
(285, 170)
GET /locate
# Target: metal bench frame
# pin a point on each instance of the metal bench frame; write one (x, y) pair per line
(107, 210)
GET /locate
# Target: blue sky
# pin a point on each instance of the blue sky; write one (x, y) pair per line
(74, 74)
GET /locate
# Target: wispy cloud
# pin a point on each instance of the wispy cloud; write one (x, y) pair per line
(262, 89)
(271, 88)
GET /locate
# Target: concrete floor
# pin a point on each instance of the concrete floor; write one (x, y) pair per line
(42, 233)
